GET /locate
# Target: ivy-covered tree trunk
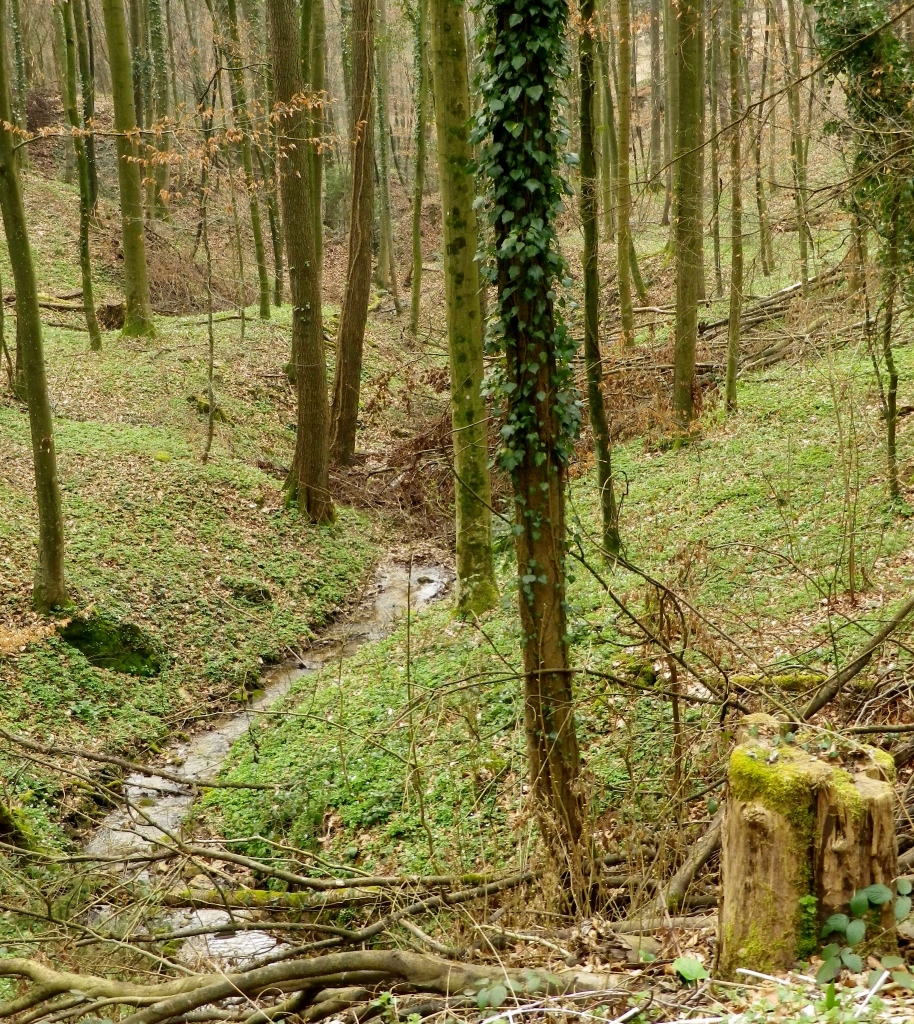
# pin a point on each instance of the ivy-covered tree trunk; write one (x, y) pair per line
(735, 42)
(354, 312)
(421, 46)
(308, 484)
(688, 226)
(623, 186)
(476, 586)
(588, 206)
(138, 318)
(82, 167)
(50, 586)
(524, 52)
(243, 124)
(19, 82)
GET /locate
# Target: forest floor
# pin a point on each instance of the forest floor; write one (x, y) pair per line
(774, 525)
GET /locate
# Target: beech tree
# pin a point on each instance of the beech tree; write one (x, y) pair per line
(521, 133)
(138, 314)
(50, 589)
(354, 311)
(735, 45)
(308, 483)
(476, 586)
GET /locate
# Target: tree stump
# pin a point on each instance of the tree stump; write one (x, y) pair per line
(805, 828)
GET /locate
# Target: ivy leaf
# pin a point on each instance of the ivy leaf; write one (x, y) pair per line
(836, 923)
(689, 969)
(859, 903)
(902, 907)
(514, 92)
(515, 20)
(855, 932)
(878, 894)
(903, 885)
(534, 92)
(518, 62)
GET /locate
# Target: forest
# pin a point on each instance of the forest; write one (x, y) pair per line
(456, 490)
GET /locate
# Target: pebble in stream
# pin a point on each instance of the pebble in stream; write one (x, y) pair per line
(157, 807)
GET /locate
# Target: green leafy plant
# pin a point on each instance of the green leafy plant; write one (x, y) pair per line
(690, 969)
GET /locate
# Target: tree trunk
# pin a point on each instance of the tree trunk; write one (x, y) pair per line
(657, 99)
(419, 181)
(800, 837)
(688, 226)
(243, 124)
(50, 587)
(519, 96)
(891, 396)
(138, 60)
(313, 45)
(735, 41)
(82, 25)
(138, 318)
(60, 62)
(19, 90)
(761, 203)
(609, 145)
(797, 163)
(623, 186)
(68, 8)
(476, 586)
(387, 268)
(308, 484)
(670, 112)
(713, 85)
(160, 173)
(588, 206)
(354, 312)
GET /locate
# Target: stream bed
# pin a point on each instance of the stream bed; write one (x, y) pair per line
(155, 807)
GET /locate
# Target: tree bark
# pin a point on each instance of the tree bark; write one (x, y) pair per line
(797, 827)
(657, 98)
(160, 173)
(387, 269)
(688, 226)
(670, 112)
(68, 9)
(761, 202)
(50, 587)
(476, 586)
(308, 484)
(713, 86)
(138, 317)
(623, 186)
(735, 42)
(82, 25)
(243, 123)
(588, 207)
(354, 313)
(419, 178)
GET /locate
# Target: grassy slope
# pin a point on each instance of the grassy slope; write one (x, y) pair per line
(751, 522)
(154, 536)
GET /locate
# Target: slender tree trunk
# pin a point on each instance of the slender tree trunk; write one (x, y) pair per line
(419, 181)
(196, 73)
(761, 203)
(671, 116)
(535, 368)
(82, 26)
(476, 586)
(386, 274)
(138, 58)
(68, 8)
(713, 69)
(354, 312)
(172, 67)
(735, 41)
(50, 587)
(657, 98)
(19, 90)
(318, 126)
(588, 207)
(60, 61)
(688, 208)
(161, 172)
(891, 402)
(138, 319)
(623, 186)
(265, 159)
(308, 484)
(610, 145)
(791, 57)
(243, 124)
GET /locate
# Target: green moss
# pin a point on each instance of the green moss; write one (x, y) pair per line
(886, 763)
(118, 646)
(785, 786)
(846, 793)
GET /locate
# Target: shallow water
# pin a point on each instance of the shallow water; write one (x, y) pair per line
(156, 807)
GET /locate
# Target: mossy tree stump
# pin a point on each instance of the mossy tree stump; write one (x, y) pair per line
(804, 828)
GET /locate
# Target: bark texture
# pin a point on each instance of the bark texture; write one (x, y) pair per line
(476, 586)
(138, 318)
(354, 313)
(797, 827)
(308, 484)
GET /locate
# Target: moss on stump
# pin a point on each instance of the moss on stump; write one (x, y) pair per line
(804, 829)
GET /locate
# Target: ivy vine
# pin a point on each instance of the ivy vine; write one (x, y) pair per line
(521, 133)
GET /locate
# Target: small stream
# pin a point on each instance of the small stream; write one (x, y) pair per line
(155, 807)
